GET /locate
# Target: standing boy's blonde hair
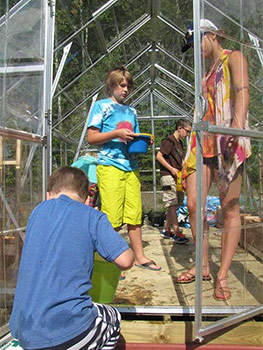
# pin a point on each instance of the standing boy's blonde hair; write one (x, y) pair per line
(116, 76)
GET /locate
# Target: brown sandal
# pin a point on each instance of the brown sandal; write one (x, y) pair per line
(189, 278)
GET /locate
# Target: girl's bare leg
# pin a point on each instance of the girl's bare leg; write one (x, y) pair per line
(231, 235)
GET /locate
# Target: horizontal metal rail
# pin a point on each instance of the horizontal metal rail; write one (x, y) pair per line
(213, 129)
(14, 230)
(22, 135)
(186, 310)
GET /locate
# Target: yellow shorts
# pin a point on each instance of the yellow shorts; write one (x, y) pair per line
(120, 195)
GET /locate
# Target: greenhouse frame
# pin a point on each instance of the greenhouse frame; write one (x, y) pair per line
(54, 59)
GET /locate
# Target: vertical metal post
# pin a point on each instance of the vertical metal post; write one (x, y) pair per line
(260, 183)
(153, 157)
(199, 170)
(66, 50)
(49, 7)
(84, 131)
(4, 49)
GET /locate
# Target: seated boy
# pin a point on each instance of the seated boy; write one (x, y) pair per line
(52, 308)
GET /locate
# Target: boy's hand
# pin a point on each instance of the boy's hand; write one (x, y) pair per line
(125, 134)
(174, 172)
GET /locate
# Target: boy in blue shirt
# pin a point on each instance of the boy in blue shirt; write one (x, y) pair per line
(112, 125)
(52, 308)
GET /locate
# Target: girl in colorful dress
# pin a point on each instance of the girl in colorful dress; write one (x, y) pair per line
(225, 86)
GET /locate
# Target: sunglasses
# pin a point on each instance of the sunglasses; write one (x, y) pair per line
(188, 131)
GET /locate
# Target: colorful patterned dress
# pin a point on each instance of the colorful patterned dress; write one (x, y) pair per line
(216, 88)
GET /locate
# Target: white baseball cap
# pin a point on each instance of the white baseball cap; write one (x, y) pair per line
(205, 26)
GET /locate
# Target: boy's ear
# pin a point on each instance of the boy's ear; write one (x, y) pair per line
(48, 195)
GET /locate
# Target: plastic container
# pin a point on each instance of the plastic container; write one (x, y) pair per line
(105, 279)
(140, 143)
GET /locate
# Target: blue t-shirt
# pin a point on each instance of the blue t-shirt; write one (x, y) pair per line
(107, 115)
(52, 304)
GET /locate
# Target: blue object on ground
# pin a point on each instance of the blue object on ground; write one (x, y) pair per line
(212, 203)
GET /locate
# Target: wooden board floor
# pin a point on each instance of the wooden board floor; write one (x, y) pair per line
(248, 334)
(151, 288)
(143, 287)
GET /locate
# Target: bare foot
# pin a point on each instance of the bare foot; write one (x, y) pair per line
(221, 291)
(123, 276)
(147, 263)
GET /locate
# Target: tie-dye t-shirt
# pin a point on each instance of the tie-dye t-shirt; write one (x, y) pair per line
(107, 115)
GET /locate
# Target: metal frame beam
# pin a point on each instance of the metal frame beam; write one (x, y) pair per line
(171, 104)
(95, 15)
(163, 85)
(141, 98)
(170, 55)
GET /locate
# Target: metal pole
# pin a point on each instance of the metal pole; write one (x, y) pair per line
(260, 184)
(48, 76)
(60, 68)
(153, 157)
(94, 98)
(199, 171)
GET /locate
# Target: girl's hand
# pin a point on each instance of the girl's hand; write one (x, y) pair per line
(230, 141)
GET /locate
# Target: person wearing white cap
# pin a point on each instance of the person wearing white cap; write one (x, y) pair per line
(205, 24)
(225, 86)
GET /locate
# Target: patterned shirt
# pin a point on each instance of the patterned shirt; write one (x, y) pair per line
(107, 115)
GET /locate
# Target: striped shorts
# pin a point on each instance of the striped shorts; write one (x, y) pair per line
(102, 334)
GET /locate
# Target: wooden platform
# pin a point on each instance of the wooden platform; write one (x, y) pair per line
(143, 287)
(180, 334)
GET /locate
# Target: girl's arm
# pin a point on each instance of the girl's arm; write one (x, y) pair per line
(239, 78)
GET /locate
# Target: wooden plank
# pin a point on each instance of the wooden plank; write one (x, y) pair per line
(158, 288)
(180, 332)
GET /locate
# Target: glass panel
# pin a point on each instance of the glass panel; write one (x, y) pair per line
(20, 192)
(231, 41)
(21, 66)
(22, 41)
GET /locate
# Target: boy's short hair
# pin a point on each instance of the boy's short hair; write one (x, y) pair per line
(70, 179)
(183, 123)
(115, 77)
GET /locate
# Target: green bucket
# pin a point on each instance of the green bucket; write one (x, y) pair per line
(105, 279)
